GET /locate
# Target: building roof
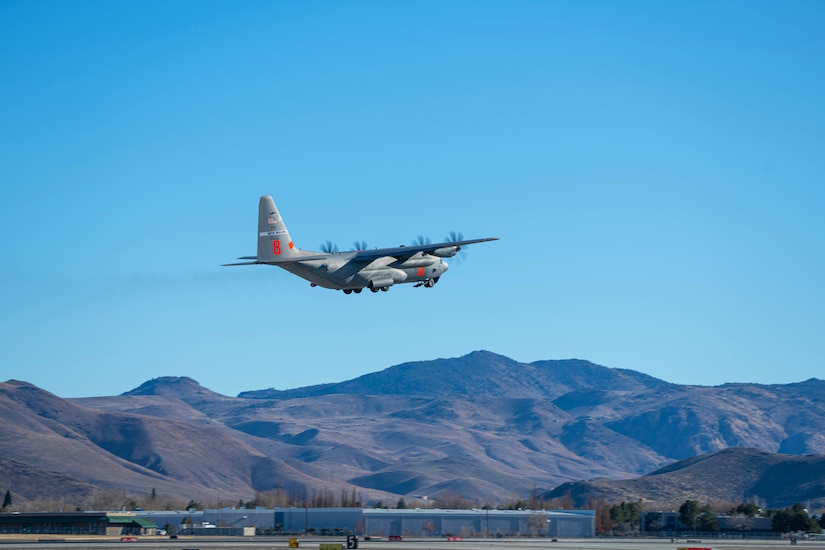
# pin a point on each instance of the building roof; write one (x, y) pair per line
(126, 520)
(75, 517)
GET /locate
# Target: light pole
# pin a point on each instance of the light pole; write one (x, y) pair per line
(487, 518)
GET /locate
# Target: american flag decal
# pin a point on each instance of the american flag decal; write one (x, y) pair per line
(271, 221)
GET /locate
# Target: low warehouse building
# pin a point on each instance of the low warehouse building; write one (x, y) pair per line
(75, 523)
(382, 522)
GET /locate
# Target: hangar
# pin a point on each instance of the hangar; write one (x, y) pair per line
(421, 522)
(418, 522)
(75, 523)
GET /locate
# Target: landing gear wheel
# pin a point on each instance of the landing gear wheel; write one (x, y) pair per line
(357, 290)
(373, 289)
(347, 291)
(384, 288)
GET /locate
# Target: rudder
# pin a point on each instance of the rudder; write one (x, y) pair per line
(274, 242)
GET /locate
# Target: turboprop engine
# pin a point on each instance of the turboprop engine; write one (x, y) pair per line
(446, 251)
(384, 278)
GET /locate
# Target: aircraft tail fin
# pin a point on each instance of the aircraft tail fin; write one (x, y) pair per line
(274, 242)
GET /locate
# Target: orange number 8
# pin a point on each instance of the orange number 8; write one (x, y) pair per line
(276, 246)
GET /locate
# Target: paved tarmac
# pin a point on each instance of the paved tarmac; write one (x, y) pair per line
(314, 543)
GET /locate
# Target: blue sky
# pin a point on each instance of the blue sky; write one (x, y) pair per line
(655, 171)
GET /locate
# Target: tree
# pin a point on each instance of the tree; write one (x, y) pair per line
(707, 520)
(452, 501)
(564, 502)
(603, 522)
(794, 518)
(7, 499)
(351, 499)
(627, 514)
(537, 523)
(688, 513)
(401, 504)
(746, 509)
(516, 504)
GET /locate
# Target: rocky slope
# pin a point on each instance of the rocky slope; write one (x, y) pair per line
(733, 475)
(481, 426)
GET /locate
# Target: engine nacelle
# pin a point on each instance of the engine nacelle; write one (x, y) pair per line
(381, 282)
(446, 251)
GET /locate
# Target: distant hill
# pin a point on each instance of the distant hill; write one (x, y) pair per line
(735, 475)
(68, 448)
(482, 426)
(480, 373)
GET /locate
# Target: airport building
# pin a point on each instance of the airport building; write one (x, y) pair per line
(75, 523)
(380, 522)
(480, 523)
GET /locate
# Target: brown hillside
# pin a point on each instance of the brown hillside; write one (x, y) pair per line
(484, 426)
(734, 475)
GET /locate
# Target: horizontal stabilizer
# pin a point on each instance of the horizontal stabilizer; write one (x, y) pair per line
(297, 259)
(279, 260)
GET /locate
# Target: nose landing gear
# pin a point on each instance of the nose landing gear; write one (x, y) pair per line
(427, 283)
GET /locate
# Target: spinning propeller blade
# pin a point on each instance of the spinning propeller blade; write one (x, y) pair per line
(329, 247)
(461, 254)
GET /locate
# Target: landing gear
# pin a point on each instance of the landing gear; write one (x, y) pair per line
(429, 283)
(357, 290)
(381, 288)
(347, 291)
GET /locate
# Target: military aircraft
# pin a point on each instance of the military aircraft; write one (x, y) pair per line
(376, 269)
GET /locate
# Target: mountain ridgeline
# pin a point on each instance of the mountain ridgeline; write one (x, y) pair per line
(483, 427)
(480, 373)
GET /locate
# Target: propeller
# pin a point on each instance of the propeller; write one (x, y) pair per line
(329, 247)
(360, 245)
(454, 237)
(421, 239)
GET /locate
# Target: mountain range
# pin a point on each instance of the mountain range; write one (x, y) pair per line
(482, 427)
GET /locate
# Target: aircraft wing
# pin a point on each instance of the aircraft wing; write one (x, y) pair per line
(398, 252)
(404, 252)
